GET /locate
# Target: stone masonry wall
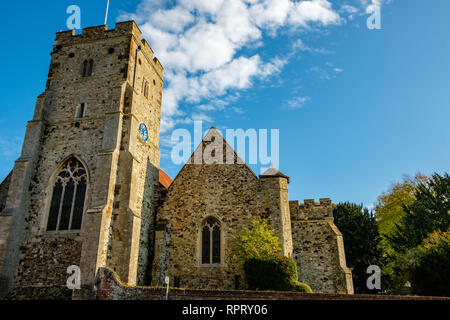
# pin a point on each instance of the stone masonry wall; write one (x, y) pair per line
(59, 142)
(4, 186)
(66, 133)
(138, 167)
(5, 228)
(5, 219)
(113, 101)
(231, 193)
(318, 248)
(276, 200)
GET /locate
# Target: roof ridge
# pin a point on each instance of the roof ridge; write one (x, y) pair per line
(236, 156)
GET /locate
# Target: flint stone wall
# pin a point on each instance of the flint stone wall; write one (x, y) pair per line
(225, 192)
(319, 248)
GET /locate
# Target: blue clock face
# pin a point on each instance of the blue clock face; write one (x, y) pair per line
(144, 132)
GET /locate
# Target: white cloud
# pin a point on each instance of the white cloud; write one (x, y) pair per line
(327, 72)
(206, 107)
(320, 11)
(200, 42)
(201, 117)
(297, 103)
(360, 7)
(372, 5)
(299, 45)
(174, 20)
(271, 14)
(350, 10)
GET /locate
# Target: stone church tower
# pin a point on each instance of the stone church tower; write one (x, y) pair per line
(81, 192)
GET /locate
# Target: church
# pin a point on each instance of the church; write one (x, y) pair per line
(88, 189)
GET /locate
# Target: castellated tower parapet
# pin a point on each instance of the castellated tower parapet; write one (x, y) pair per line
(311, 210)
(319, 247)
(100, 33)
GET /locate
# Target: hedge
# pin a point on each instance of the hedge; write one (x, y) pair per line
(277, 273)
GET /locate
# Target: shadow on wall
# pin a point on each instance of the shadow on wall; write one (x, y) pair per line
(4, 187)
(148, 217)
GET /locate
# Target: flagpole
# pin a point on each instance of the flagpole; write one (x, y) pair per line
(107, 7)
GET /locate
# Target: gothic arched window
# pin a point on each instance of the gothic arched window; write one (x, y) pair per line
(210, 241)
(69, 192)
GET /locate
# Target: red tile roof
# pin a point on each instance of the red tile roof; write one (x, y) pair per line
(164, 179)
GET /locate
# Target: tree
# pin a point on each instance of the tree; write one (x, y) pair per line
(389, 212)
(419, 207)
(429, 212)
(259, 241)
(428, 266)
(389, 208)
(361, 239)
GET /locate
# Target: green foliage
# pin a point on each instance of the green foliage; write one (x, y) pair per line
(417, 207)
(389, 212)
(301, 287)
(361, 241)
(271, 273)
(389, 207)
(393, 277)
(429, 212)
(428, 266)
(258, 247)
(257, 242)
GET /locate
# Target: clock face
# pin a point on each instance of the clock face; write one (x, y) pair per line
(144, 132)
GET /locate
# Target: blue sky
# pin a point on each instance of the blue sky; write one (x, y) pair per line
(356, 108)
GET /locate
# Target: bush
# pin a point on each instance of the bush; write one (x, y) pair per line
(259, 241)
(265, 269)
(276, 273)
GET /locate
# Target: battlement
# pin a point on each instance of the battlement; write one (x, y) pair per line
(98, 33)
(311, 210)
